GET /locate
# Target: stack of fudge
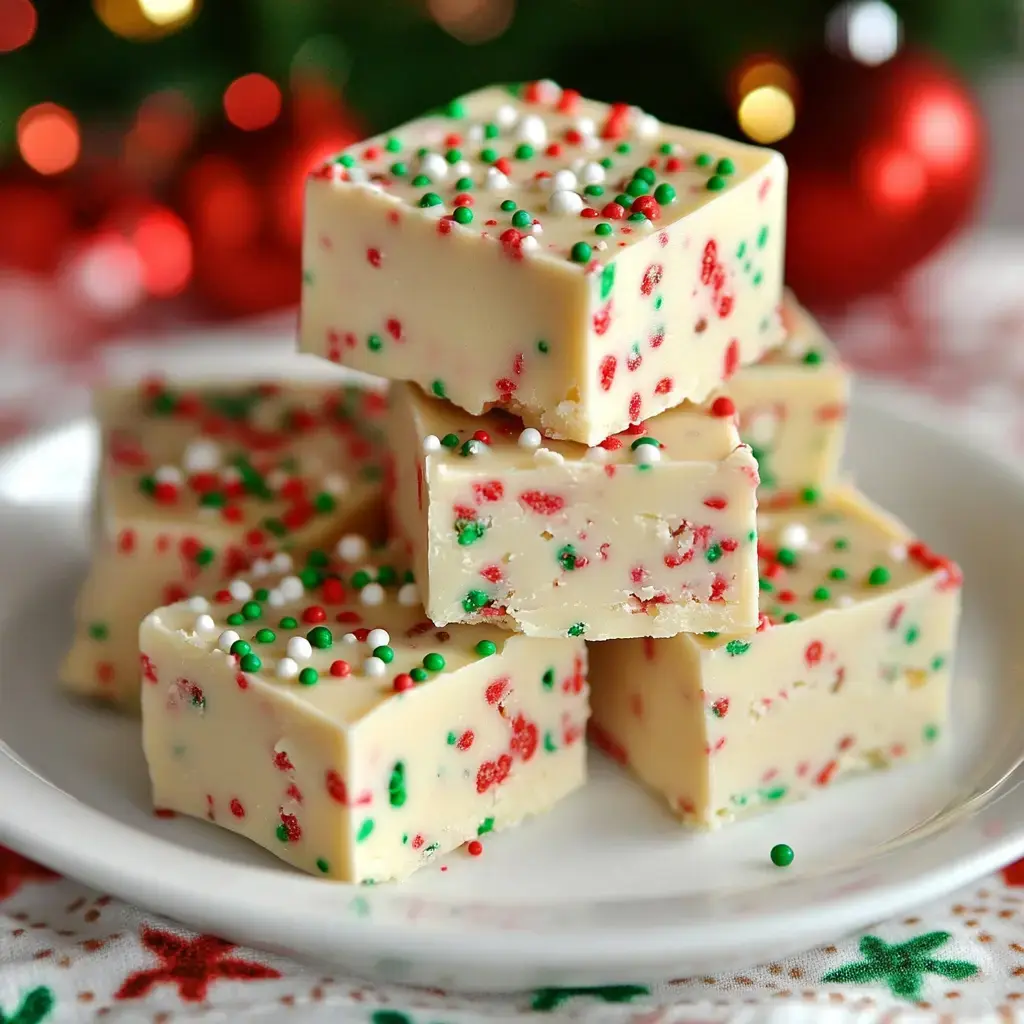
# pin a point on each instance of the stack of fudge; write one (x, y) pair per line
(610, 436)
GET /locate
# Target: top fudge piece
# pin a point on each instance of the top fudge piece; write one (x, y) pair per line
(579, 264)
(791, 406)
(199, 480)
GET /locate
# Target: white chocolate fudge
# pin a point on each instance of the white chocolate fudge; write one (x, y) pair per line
(648, 534)
(199, 482)
(321, 716)
(791, 406)
(848, 670)
(574, 262)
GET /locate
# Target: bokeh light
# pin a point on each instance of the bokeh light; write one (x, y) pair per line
(252, 102)
(145, 19)
(866, 30)
(941, 128)
(106, 275)
(892, 178)
(766, 114)
(166, 12)
(48, 138)
(473, 21)
(18, 21)
(222, 203)
(165, 251)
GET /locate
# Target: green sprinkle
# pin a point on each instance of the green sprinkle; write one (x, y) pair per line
(623, 200)
(771, 795)
(548, 679)
(364, 830)
(451, 739)
(741, 250)
(288, 622)
(594, 190)
(470, 532)
(392, 145)
(703, 159)
(387, 576)
(346, 160)
(737, 647)
(485, 826)
(433, 661)
(398, 169)
(453, 156)
(637, 187)
(360, 578)
(912, 635)
(521, 219)
(710, 633)
(396, 785)
(464, 185)
(542, 347)
(265, 636)
(491, 131)
(474, 600)
(762, 237)
(524, 151)
(456, 109)
(645, 174)
(665, 194)
(840, 544)
(450, 440)
(644, 440)
(385, 653)
(430, 199)
(757, 278)
(549, 742)
(320, 637)
(374, 342)
(251, 610)
(812, 357)
(485, 648)
(310, 577)
(251, 663)
(235, 619)
(822, 594)
(604, 228)
(567, 557)
(837, 573)
(322, 866)
(438, 388)
(580, 253)
(309, 676)
(791, 617)
(938, 662)
(725, 166)
(785, 556)
(607, 280)
(658, 300)
(240, 648)
(606, 162)
(715, 183)
(212, 499)
(637, 217)
(577, 629)
(810, 495)
(463, 215)
(765, 585)
(488, 155)
(879, 576)
(623, 147)
(282, 833)
(931, 733)
(508, 205)
(781, 855)
(713, 553)
(204, 556)
(99, 631)
(420, 180)
(418, 675)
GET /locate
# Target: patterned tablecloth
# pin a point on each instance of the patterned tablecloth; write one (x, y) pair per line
(68, 953)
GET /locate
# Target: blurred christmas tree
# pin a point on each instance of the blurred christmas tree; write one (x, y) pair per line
(116, 98)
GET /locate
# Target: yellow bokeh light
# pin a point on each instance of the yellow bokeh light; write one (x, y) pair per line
(766, 114)
(166, 12)
(145, 19)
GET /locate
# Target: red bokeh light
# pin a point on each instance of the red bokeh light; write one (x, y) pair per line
(252, 102)
(165, 250)
(223, 204)
(48, 138)
(941, 128)
(893, 178)
(18, 22)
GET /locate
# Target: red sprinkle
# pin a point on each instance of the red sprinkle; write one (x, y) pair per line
(313, 614)
(373, 257)
(613, 211)
(607, 372)
(402, 682)
(236, 808)
(333, 591)
(340, 668)
(483, 436)
(474, 848)
(723, 406)
(465, 741)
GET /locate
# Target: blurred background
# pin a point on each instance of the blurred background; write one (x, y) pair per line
(152, 152)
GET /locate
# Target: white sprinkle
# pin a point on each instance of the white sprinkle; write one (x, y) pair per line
(475, 133)
(434, 166)
(585, 125)
(291, 588)
(198, 604)
(276, 599)
(495, 180)
(352, 547)
(646, 125)
(378, 638)
(536, 228)
(596, 454)
(845, 600)
(201, 456)
(358, 175)
(260, 568)
(592, 173)
(168, 475)
(240, 590)
(590, 143)
(437, 211)
(335, 483)
(374, 667)
(226, 639)
(372, 594)
(528, 244)
(646, 454)
(794, 536)
(600, 245)
(300, 648)
(563, 180)
(276, 479)
(287, 669)
(281, 562)
(898, 552)
(408, 595)
(549, 90)
(204, 624)
(565, 202)
(529, 438)
(547, 457)
(431, 443)
(461, 169)
(350, 638)
(506, 115)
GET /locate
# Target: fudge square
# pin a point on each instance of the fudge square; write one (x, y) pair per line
(578, 264)
(199, 481)
(849, 669)
(319, 714)
(792, 410)
(650, 533)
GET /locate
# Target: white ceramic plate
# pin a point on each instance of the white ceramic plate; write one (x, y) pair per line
(606, 890)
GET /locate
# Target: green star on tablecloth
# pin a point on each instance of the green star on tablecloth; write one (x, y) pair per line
(902, 966)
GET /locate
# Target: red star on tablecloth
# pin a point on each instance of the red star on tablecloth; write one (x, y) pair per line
(191, 964)
(15, 869)
(1013, 874)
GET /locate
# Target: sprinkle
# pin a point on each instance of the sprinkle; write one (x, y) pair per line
(429, 200)
(723, 406)
(532, 129)
(227, 639)
(408, 595)
(580, 253)
(287, 669)
(646, 452)
(250, 663)
(352, 547)
(320, 637)
(240, 648)
(350, 638)
(204, 624)
(240, 590)
(565, 203)
(665, 193)
(795, 536)
(299, 648)
(879, 576)
(291, 588)
(495, 180)
(438, 388)
(472, 447)
(340, 668)
(378, 638)
(485, 826)
(781, 855)
(485, 648)
(374, 667)
(474, 848)
(529, 438)
(521, 219)
(463, 215)
(309, 676)
(577, 629)
(431, 443)
(372, 594)
(385, 653)
(715, 183)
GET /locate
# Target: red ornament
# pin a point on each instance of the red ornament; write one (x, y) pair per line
(885, 164)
